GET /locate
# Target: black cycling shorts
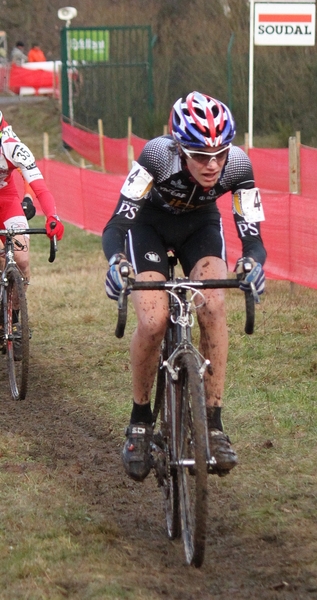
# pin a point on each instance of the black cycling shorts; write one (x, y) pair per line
(192, 235)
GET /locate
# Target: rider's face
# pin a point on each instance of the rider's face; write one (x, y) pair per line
(206, 166)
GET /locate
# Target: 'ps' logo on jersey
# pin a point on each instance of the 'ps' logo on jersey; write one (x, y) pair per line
(129, 210)
(248, 228)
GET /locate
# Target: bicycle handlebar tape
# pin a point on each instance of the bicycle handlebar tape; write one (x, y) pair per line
(250, 313)
(122, 314)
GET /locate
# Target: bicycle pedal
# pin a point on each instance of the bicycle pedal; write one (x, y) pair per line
(157, 450)
(219, 472)
(158, 440)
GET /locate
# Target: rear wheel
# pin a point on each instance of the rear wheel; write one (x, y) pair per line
(192, 459)
(16, 334)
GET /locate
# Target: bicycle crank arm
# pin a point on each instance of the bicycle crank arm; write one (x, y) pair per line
(190, 462)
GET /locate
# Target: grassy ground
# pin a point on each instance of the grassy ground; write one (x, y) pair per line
(72, 525)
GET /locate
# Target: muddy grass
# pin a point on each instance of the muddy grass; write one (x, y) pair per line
(73, 525)
(70, 446)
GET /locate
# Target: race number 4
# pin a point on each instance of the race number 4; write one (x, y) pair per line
(248, 204)
(137, 183)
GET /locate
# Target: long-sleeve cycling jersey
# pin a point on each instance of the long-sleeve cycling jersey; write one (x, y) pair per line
(176, 191)
(14, 154)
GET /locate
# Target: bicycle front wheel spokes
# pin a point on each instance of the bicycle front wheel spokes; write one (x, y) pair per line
(16, 335)
(192, 459)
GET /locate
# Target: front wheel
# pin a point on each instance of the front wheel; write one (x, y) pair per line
(16, 334)
(192, 458)
(168, 473)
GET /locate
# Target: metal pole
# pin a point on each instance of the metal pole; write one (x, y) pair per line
(70, 76)
(251, 66)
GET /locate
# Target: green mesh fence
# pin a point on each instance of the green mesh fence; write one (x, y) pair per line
(107, 74)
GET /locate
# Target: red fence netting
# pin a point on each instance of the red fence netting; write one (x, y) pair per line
(308, 171)
(271, 170)
(87, 199)
(115, 151)
(86, 144)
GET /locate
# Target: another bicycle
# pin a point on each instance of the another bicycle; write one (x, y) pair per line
(14, 324)
(180, 450)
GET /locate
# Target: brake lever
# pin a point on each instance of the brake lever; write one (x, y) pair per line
(254, 293)
(247, 268)
(122, 294)
(124, 270)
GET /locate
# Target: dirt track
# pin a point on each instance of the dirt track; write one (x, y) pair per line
(236, 566)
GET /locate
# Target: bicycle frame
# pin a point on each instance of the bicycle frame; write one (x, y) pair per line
(7, 252)
(177, 341)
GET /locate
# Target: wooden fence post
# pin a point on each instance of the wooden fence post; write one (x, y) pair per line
(102, 154)
(130, 148)
(246, 143)
(298, 144)
(45, 145)
(294, 163)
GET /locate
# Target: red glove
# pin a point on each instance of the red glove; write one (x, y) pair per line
(53, 227)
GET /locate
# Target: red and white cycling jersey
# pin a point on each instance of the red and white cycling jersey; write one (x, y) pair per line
(14, 154)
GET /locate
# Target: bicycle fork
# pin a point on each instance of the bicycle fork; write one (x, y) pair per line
(162, 462)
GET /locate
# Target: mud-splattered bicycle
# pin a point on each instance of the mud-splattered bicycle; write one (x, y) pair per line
(180, 450)
(14, 324)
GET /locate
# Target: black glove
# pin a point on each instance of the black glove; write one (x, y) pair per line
(28, 207)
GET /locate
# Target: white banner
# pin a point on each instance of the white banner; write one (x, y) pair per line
(284, 24)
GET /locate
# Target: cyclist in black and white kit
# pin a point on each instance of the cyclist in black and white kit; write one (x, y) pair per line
(168, 200)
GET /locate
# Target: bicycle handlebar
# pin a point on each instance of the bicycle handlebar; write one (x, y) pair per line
(11, 233)
(185, 283)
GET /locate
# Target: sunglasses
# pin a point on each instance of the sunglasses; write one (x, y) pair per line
(204, 158)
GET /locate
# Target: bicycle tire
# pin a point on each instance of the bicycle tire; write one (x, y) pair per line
(168, 480)
(171, 487)
(192, 444)
(18, 370)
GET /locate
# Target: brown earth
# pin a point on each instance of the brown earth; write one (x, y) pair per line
(239, 566)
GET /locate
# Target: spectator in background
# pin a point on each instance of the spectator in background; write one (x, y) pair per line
(17, 55)
(36, 54)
